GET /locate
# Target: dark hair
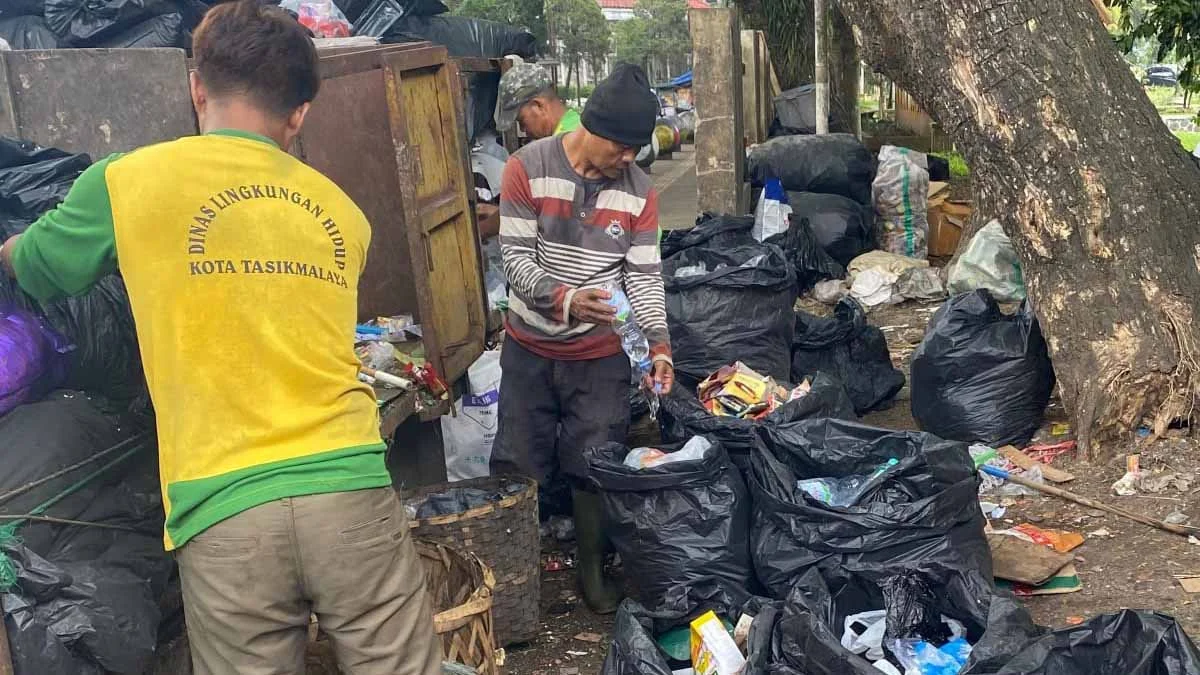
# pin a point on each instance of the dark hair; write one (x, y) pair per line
(250, 49)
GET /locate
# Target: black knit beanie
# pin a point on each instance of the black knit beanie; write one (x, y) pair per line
(622, 108)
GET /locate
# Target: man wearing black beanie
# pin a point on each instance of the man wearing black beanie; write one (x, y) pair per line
(577, 215)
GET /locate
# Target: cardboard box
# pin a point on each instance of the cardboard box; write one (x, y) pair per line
(946, 222)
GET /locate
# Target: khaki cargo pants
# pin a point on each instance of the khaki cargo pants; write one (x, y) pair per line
(249, 583)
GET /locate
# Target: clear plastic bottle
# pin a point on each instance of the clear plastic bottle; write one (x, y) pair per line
(633, 340)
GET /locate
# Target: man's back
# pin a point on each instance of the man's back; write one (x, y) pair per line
(242, 265)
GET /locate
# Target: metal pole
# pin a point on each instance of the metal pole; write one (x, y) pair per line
(821, 66)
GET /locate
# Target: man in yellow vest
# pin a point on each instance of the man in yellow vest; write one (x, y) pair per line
(242, 266)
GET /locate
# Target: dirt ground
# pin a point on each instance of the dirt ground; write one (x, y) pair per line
(1122, 564)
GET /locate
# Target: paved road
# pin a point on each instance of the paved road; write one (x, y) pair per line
(675, 180)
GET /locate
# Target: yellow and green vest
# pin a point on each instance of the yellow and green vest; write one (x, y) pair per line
(242, 266)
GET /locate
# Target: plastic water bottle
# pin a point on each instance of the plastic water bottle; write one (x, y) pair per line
(633, 340)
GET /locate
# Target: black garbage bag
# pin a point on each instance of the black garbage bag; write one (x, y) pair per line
(730, 304)
(88, 23)
(30, 188)
(683, 416)
(633, 650)
(836, 164)
(922, 513)
(811, 262)
(86, 597)
(809, 629)
(981, 375)
(166, 30)
(463, 36)
(11, 8)
(842, 226)
(939, 168)
(1128, 642)
(27, 32)
(711, 230)
(374, 18)
(849, 349)
(682, 529)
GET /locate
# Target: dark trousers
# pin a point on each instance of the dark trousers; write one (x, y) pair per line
(550, 411)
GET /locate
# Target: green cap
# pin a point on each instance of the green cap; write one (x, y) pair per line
(520, 85)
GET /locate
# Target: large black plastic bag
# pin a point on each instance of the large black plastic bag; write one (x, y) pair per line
(849, 349)
(811, 262)
(87, 23)
(809, 629)
(981, 375)
(463, 36)
(731, 313)
(86, 600)
(711, 230)
(27, 32)
(836, 164)
(682, 416)
(33, 180)
(374, 18)
(1128, 642)
(842, 226)
(682, 528)
(922, 513)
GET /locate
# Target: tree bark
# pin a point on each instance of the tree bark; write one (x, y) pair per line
(1097, 196)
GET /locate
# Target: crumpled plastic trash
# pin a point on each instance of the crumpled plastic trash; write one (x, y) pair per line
(920, 283)
(875, 287)
(862, 633)
(829, 291)
(990, 262)
(648, 458)
(921, 658)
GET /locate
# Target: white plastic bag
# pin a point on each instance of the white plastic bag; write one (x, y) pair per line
(771, 214)
(862, 633)
(900, 194)
(875, 287)
(648, 458)
(467, 438)
(989, 262)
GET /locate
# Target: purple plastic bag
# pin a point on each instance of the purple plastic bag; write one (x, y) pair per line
(31, 358)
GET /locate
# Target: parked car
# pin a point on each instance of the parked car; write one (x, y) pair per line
(1162, 75)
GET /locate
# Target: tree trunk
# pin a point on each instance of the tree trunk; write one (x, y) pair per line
(1097, 196)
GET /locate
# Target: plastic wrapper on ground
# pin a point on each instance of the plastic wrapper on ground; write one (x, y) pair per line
(981, 375)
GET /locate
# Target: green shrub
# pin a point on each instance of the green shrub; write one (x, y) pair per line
(958, 165)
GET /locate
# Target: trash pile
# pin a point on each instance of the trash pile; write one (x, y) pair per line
(386, 365)
(900, 194)
(82, 596)
(738, 391)
(839, 548)
(459, 500)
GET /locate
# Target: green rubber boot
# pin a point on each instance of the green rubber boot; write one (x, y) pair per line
(601, 594)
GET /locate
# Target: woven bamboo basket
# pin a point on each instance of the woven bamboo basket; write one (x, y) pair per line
(504, 535)
(460, 588)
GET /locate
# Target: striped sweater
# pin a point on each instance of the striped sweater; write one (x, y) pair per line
(560, 233)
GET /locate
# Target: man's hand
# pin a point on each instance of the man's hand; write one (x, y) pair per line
(590, 305)
(661, 378)
(488, 218)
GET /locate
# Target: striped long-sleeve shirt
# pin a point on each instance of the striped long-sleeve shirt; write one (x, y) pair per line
(560, 233)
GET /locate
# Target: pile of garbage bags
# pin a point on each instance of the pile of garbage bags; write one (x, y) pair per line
(868, 555)
(900, 194)
(981, 375)
(837, 164)
(86, 598)
(62, 24)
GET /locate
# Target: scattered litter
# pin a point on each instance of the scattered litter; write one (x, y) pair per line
(1017, 558)
(994, 511)
(1028, 463)
(575, 653)
(739, 391)
(1074, 620)
(922, 658)
(1189, 582)
(920, 283)
(1176, 518)
(1059, 540)
(830, 291)
(875, 287)
(1102, 533)
(1060, 429)
(1047, 453)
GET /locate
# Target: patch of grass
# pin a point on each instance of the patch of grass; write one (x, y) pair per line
(1190, 139)
(868, 103)
(1163, 98)
(958, 165)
